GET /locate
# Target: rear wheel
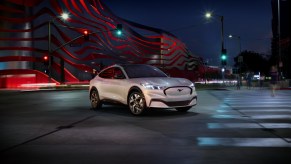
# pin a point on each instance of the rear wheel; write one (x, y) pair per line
(95, 100)
(136, 103)
(183, 109)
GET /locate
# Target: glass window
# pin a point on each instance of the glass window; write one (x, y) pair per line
(107, 74)
(118, 74)
(142, 70)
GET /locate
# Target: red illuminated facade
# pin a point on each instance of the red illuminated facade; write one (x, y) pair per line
(24, 43)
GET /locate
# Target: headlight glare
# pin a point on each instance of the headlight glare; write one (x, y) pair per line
(192, 85)
(152, 87)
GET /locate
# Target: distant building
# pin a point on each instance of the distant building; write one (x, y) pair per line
(24, 42)
(281, 54)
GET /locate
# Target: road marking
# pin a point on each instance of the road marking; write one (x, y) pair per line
(273, 116)
(248, 125)
(265, 110)
(256, 110)
(258, 105)
(243, 142)
(228, 116)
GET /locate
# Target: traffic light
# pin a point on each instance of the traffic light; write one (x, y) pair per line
(86, 34)
(223, 57)
(45, 60)
(119, 29)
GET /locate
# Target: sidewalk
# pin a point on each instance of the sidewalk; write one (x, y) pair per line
(62, 87)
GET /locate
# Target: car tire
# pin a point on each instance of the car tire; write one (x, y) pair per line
(136, 103)
(95, 100)
(184, 109)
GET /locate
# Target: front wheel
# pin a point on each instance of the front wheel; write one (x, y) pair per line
(136, 103)
(183, 109)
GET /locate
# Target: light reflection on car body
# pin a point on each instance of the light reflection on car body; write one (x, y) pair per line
(140, 87)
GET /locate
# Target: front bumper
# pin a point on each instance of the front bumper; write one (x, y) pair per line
(158, 103)
(158, 99)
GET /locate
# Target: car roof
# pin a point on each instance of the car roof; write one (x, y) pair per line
(124, 65)
(130, 64)
(120, 65)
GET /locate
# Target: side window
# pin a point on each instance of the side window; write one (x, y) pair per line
(107, 74)
(118, 74)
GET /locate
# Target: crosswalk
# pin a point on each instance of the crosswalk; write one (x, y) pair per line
(255, 117)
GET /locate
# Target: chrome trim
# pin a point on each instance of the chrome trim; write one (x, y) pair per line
(191, 90)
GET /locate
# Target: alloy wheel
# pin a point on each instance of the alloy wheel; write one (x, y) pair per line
(136, 103)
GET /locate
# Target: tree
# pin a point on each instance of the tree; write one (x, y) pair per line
(252, 61)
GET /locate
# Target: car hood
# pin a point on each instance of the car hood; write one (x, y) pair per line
(163, 81)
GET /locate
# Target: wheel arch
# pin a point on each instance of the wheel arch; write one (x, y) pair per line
(132, 89)
(140, 111)
(93, 88)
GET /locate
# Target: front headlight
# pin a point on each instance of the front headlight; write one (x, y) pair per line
(192, 85)
(152, 87)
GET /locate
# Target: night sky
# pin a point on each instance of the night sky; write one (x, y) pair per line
(249, 19)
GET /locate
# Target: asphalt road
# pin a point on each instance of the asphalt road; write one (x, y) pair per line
(227, 126)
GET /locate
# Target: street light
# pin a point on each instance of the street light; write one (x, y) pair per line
(64, 16)
(208, 15)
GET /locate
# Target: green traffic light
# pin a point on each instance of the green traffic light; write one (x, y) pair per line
(119, 29)
(223, 57)
(118, 32)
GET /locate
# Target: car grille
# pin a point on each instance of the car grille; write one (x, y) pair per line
(177, 91)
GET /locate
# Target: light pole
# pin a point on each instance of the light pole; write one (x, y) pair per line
(208, 15)
(240, 58)
(280, 63)
(279, 33)
(64, 16)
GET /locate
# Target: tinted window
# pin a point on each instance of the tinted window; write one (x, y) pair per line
(118, 74)
(107, 74)
(139, 71)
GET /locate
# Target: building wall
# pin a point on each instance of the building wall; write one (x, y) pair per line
(24, 32)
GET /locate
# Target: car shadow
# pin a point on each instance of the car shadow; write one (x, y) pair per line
(168, 112)
(151, 112)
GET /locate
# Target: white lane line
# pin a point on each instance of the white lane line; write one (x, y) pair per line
(249, 125)
(271, 117)
(243, 105)
(229, 116)
(255, 110)
(265, 110)
(243, 142)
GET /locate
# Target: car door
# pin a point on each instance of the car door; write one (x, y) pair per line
(112, 85)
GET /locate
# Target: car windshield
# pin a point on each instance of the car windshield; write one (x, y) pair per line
(139, 71)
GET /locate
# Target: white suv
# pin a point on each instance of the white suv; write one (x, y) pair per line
(140, 87)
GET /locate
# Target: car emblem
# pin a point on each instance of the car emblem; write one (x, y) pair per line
(180, 90)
